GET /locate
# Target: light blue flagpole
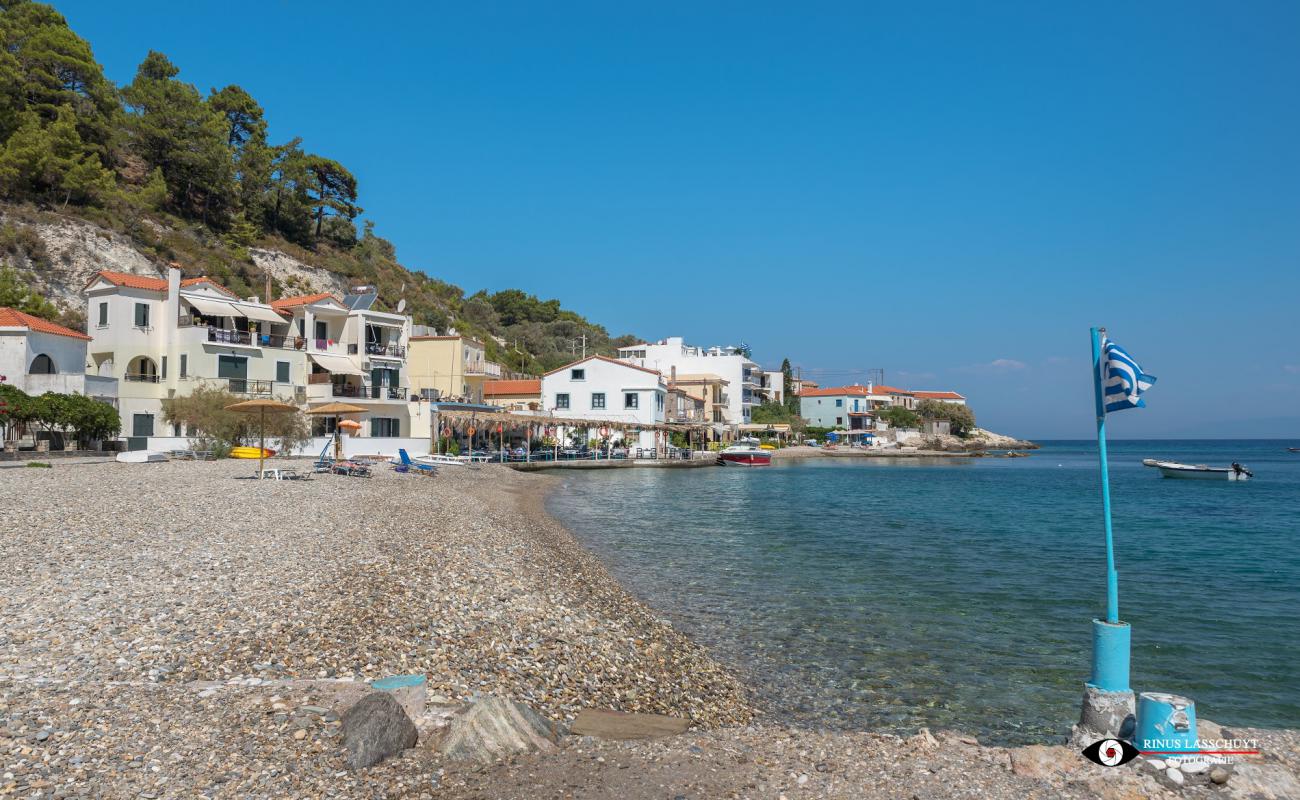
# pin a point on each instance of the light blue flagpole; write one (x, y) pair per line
(1110, 638)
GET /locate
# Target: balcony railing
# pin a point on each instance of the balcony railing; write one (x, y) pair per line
(139, 377)
(370, 392)
(223, 336)
(319, 377)
(246, 386)
(376, 349)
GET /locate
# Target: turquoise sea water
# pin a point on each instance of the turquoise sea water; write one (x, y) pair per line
(892, 594)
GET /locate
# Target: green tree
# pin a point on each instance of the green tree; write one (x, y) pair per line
(205, 414)
(961, 420)
(787, 387)
(173, 128)
(331, 190)
(899, 417)
(16, 294)
(246, 137)
(44, 66)
(49, 161)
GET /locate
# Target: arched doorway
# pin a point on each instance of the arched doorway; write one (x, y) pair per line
(142, 368)
(42, 365)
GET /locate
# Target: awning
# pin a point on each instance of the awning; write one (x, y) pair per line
(339, 365)
(260, 313)
(214, 308)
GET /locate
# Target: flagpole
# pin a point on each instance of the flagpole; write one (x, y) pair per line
(1110, 637)
(1112, 577)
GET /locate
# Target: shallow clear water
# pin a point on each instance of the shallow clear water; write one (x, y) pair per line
(891, 594)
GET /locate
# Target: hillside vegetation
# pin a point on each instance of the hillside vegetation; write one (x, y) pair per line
(191, 178)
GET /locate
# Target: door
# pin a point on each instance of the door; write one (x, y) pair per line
(236, 370)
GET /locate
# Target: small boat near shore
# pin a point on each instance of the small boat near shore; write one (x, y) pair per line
(1175, 469)
(745, 454)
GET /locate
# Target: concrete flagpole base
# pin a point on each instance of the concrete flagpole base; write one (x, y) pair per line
(1108, 703)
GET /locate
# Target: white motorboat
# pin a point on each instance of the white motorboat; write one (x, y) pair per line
(1175, 469)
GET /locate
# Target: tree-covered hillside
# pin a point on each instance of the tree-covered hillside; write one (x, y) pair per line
(191, 177)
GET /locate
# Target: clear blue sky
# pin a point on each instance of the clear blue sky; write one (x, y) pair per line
(953, 192)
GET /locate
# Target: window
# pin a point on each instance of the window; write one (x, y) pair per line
(839, 402)
(162, 373)
(185, 364)
(103, 315)
(578, 375)
(232, 367)
(659, 401)
(631, 400)
(142, 425)
(839, 420)
(322, 332)
(385, 426)
(562, 400)
(597, 399)
(142, 315)
(282, 372)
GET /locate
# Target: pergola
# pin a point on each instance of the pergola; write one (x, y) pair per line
(474, 419)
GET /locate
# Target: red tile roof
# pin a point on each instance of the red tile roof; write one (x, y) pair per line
(154, 284)
(604, 358)
(499, 388)
(839, 391)
(939, 395)
(300, 300)
(13, 318)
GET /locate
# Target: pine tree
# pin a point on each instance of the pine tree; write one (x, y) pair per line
(44, 66)
(173, 128)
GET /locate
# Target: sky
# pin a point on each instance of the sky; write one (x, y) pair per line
(952, 192)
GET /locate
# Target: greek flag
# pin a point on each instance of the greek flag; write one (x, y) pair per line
(1122, 379)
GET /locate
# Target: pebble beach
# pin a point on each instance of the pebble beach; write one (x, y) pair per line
(180, 630)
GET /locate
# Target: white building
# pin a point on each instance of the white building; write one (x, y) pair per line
(38, 356)
(848, 407)
(743, 376)
(165, 337)
(600, 388)
(356, 356)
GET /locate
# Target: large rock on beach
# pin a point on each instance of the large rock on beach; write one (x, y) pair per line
(494, 727)
(375, 728)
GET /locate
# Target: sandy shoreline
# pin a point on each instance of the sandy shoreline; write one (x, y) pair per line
(125, 585)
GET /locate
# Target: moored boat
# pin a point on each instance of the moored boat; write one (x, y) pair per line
(745, 454)
(1175, 469)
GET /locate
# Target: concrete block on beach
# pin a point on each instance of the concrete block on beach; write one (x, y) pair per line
(375, 728)
(619, 725)
(412, 691)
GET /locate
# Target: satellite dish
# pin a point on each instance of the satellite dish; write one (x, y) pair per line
(401, 305)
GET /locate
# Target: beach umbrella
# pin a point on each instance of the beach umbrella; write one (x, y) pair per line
(260, 407)
(336, 409)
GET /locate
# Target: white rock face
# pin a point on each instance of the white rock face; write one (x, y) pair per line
(289, 271)
(78, 250)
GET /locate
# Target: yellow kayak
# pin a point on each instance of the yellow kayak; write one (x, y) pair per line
(250, 452)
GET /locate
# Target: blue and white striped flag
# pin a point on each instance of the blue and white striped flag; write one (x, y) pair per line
(1122, 379)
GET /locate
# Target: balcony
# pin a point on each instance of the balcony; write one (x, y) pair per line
(369, 392)
(139, 377)
(475, 368)
(223, 336)
(376, 349)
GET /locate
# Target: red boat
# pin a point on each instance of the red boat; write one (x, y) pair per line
(745, 454)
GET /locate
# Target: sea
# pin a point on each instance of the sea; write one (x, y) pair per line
(892, 594)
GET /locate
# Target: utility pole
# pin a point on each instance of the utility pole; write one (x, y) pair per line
(584, 345)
